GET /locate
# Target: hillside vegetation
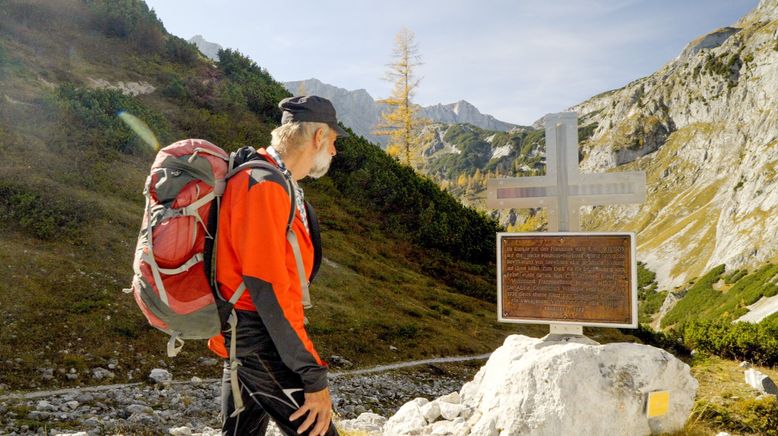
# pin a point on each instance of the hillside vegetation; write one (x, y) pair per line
(705, 316)
(405, 264)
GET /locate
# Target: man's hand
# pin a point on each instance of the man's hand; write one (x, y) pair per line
(318, 406)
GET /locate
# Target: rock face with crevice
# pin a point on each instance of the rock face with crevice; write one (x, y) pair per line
(705, 130)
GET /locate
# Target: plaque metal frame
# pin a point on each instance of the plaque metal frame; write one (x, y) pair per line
(633, 280)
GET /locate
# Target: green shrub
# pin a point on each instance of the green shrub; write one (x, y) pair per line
(175, 88)
(412, 207)
(701, 294)
(445, 311)
(131, 20)
(262, 93)
(649, 303)
(408, 331)
(46, 212)
(669, 340)
(756, 343)
(180, 51)
(735, 276)
(90, 119)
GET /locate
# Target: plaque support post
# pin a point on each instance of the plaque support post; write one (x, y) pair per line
(566, 330)
(560, 134)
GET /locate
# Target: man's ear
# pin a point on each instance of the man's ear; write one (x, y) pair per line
(318, 138)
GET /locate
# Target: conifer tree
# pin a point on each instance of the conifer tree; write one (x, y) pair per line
(401, 123)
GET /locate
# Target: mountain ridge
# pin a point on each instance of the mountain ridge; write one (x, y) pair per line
(362, 112)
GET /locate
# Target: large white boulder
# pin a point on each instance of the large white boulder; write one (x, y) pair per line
(534, 387)
(408, 419)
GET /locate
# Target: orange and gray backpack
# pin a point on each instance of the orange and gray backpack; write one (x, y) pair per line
(175, 281)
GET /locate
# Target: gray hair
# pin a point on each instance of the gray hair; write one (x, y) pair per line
(288, 138)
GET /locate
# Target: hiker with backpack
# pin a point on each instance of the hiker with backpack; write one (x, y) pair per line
(281, 374)
(254, 242)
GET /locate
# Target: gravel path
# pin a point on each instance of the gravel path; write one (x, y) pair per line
(157, 408)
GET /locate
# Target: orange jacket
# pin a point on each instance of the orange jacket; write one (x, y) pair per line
(252, 248)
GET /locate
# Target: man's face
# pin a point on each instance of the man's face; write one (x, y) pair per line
(322, 159)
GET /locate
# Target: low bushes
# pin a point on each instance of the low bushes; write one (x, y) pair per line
(756, 343)
(90, 119)
(46, 212)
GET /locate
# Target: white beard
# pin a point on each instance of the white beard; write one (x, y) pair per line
(321, 163)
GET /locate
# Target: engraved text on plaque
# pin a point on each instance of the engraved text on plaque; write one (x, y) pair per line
(587, 279)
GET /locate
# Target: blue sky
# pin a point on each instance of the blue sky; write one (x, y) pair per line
(514, 59)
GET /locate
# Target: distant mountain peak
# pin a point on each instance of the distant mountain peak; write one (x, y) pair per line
(464, 112)
(209, 49)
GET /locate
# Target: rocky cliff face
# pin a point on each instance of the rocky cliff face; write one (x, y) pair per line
(705, 130)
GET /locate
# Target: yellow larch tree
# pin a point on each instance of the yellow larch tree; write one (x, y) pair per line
(401, 122)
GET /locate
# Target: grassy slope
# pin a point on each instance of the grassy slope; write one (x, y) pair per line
(725, 403)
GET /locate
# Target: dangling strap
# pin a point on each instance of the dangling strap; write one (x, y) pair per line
(237, 399)
(172, 350)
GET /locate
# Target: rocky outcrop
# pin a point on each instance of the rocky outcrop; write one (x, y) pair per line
(533, 387)
(209, 49)
(760, 382)
(127, 88)
(709, 41)
(705, 130)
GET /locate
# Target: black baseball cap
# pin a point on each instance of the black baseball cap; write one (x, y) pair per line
(310, 108)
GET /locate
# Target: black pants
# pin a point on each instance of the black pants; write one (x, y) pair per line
(270, 390)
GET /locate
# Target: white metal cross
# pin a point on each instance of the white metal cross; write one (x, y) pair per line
(563, 190)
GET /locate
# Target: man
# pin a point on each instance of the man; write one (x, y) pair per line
(281, 375)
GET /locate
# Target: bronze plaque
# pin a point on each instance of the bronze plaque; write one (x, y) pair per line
(587, 279)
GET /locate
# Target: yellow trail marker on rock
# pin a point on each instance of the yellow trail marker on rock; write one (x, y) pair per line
(658, 403)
